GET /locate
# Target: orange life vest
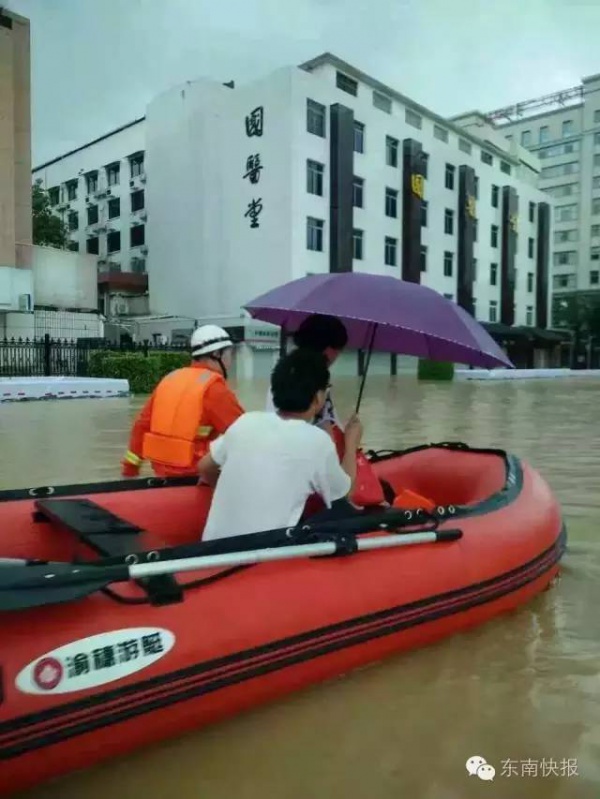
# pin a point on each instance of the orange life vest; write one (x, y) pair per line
(177, 437)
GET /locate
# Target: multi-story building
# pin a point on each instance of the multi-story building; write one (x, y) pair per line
(16, 275)
(313, 168)
(323, 168)
(563, 130)
(99, 191)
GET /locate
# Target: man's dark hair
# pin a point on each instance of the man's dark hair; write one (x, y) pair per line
(296, 378)
(317, 332)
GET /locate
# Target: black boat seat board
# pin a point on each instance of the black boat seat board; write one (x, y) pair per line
(108, 535)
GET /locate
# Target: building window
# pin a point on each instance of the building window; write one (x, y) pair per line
(558, 171)
(596, 206)
(566, 213)
(54, 195)
(449, 177)
(391, 202)
(529, 316)
(505, 167)
(532, 212)
(137, 235)
(440, 133)
(423, 160)
(314, 177)
(596, 139)
(448, 264)
(358, 192)
(487, 158)
(597, 117)
(568, 258)
(391, 151)
(495, 195)
(465, 146)
(595, 254)
(594, 277)
(391, 250)
(113, 241)
(475, 229)
(476, 184)
(562, 191)
(493, 310)
(530, 246)
(72, 190)
(314, 234)
(564, 281)
(526, 138)
(114, 208)
(474, 269)
(136, 165)
(562, 236)
(530, 282)
(493, 274)
(137, 200)
(359, 137)
(413, 119)
(382, 102)
(567, 127)
(596, 183)
(423, 258)
(544, 134)
(92, 245)
(448, 221)
(92, 214)
(595, 231)
(424, 210)
(138, 264)
(346, 84)
(315, 118)
(74, 246)
(112, 174)
(494, 236)
(357, 244)
(73, 220)
(91, 182)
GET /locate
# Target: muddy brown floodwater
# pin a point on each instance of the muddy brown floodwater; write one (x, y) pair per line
(525, 687)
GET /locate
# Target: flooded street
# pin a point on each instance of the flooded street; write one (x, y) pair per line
(525, 687)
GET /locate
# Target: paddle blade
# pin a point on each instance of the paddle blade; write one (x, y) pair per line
(23, 587)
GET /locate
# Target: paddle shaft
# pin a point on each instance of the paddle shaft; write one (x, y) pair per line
(26, 577)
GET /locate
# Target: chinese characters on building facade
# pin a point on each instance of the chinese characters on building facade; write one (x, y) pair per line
(107, 656)
(254, 127)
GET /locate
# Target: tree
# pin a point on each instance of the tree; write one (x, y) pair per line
(48, 229)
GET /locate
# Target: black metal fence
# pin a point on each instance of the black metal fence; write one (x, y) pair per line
(50, 357)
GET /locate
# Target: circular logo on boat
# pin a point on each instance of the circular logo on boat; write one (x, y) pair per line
(47, 673)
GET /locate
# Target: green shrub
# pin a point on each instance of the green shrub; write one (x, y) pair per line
(142, 371)
(435, 370)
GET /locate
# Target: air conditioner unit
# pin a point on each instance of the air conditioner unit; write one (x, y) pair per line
(132, 183)
(142, 178)
(25, 302)
(144, 215)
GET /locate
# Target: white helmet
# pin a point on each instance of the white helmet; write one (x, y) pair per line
(209, 338)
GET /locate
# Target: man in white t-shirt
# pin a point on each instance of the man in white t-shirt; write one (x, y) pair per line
(267, 465)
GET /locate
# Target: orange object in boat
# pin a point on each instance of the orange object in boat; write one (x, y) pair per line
(97, 677)
(410, 500)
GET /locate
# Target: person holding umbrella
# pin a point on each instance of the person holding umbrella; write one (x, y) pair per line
(327, 335)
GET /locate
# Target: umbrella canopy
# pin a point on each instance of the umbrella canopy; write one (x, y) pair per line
(384, 314)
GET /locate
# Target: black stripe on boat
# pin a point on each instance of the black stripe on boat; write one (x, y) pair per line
(55, 725)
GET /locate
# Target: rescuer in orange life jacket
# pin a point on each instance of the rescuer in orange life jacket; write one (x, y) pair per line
(188, 409)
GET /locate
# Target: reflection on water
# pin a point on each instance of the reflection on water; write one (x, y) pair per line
(523, 687)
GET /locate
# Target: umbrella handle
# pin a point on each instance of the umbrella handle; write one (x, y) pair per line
(366, 368)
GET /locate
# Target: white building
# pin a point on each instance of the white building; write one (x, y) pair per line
(309, 170)
(563, 130)
(99, 192)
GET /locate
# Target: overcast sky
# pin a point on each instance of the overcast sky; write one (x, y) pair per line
(96, 63)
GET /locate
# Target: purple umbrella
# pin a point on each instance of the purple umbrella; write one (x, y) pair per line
(384, 314)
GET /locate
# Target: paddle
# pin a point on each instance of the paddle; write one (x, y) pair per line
(32, 586)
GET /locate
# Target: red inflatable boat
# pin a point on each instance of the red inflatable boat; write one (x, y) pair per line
(94, 664)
